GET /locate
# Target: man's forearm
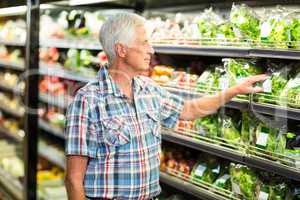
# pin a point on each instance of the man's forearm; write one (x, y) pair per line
(75, 190)
(206, 105)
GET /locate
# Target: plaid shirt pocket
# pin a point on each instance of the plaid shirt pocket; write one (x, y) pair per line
(115, 132)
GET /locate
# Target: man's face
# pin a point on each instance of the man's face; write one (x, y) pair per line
(140, 51)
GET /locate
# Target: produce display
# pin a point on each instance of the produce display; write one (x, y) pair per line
(11, 80)
(10, 160)
(13, 103)
(246, 133)
(12, 126)
(13, 30)
(83, 62)
(53, 116)
(75, 23)
(11, 55)
(275, 28)
(244, 182)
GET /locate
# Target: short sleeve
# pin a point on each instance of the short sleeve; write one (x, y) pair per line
(79, 130)
(171, 107)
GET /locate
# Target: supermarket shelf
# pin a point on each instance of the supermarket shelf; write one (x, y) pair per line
(55, 70)
(226, 51)
(45, 152)
(274, 167)
(14, 136)
(71, 43)
(11, 186)
(269, 53)
(12, 65)
(224, 152)
(188, 188)
(15, 91)
(12, 43)
(202, 51)
(13, 113)
(52, 100)
(262, 108)
(51, 129)
(200, 145)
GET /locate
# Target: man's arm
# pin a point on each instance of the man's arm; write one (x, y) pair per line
(75, 172)
(207, 105)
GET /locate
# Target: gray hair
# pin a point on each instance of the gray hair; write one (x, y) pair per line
(119, 28)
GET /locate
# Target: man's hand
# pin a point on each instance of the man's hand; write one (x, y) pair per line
(210, 104)
(246, 85)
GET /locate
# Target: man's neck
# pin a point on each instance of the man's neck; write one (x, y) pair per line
(123, 74)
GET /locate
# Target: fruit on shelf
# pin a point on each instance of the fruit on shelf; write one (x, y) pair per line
(162, 74)
(184, 125)
(3, 52)
(81, 61)
(49, 55)
(55, 118)
(13, 30)
(12, 103)
(13, 165)
(52, 85)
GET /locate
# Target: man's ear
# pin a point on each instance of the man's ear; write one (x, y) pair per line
(120, 50)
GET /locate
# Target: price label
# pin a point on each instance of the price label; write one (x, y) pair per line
(236, 188)
(265, 30)
(262, 139)
(200, 170)
(267, 85)
(263, 195)
(225, 177)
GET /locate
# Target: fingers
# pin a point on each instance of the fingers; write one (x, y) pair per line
(257, 78)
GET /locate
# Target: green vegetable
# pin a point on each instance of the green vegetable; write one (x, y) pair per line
(208, 126)
(270, 139)
(206, 170)
(277, 82)
(245, 20)
(224, 182)
(249, 124)
(208, 25)
(211, 80)
(295, 33)
(237, 69)
(229, 130)
(244, 180)
(291, 93)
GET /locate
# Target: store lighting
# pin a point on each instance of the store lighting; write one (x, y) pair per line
(81, 2)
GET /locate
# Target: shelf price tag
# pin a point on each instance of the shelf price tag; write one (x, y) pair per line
(200, 170)
(263, 195)
(262, 139)
(236, 188)
(267, 85)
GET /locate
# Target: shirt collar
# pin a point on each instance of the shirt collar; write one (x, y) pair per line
(107, 84)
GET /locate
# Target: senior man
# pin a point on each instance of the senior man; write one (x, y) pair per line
(113, 135)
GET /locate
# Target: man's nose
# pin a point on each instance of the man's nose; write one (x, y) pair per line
(151, 49)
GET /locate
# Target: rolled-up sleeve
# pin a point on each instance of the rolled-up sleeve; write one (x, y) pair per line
(171, 107)
(79, 130)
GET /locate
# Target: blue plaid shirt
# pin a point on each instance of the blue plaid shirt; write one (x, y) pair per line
(121, 138)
